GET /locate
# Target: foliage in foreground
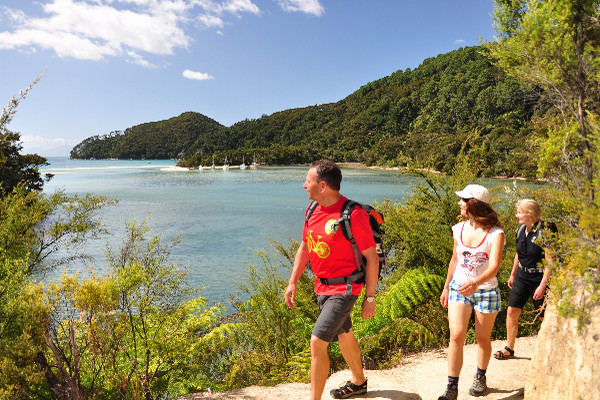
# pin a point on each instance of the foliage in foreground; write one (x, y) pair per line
(554, 44)
(125, 335)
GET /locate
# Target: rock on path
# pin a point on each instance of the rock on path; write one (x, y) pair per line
(419, 376)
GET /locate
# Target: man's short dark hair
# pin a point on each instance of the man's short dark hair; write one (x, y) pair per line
(329, 172)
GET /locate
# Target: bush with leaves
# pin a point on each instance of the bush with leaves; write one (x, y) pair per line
(275, 334)
(137, 333)
(35, 226)
(400, 322)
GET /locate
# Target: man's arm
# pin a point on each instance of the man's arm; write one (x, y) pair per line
(300, 262)
(371, 277)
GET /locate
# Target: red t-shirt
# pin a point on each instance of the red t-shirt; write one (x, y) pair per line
(331, 254)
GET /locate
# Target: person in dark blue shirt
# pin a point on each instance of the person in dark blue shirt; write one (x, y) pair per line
(529, 276)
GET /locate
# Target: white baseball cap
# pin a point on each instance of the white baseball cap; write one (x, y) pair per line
(475, 192)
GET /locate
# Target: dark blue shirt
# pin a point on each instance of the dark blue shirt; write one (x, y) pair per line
(530, 248)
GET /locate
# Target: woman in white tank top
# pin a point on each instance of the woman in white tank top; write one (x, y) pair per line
(471, 284)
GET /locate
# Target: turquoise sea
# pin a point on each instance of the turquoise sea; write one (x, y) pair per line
(222, 215)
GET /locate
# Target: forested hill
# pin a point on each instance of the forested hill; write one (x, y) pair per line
(423, 116)
(156, 140)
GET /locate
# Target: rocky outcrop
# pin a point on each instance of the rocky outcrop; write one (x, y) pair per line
(566, 360)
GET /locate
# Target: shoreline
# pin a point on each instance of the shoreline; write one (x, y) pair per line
(357, 165)
(348, 165)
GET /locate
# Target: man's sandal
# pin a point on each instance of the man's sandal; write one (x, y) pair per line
(348, 389)
(500, 355)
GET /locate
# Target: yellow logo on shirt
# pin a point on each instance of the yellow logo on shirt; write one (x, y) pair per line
(321, 249)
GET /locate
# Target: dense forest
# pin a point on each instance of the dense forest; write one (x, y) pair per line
(418, 117)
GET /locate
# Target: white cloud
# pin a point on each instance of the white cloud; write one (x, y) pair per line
(199, 76)
(139, 60)
(306, 6)
(460, 42)
(40, 144)
(211, 21)
(95, 29)
(215, 12)
(238, 6)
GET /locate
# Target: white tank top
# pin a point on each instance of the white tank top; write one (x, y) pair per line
(472, 262)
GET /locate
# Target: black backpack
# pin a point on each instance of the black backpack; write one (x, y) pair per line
(376, 220)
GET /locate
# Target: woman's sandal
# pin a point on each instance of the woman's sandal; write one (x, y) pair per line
(348, 389)
(500, 355)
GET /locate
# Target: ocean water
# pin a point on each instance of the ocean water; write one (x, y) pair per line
(223, 216)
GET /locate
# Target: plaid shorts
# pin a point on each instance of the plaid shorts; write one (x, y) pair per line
(485, 301)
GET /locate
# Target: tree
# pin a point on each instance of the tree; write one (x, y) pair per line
(35, 226)
(16, 168)
(555, 45)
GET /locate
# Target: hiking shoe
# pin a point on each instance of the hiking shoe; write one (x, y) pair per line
(479, 386)
(451, 393)
(349, 389)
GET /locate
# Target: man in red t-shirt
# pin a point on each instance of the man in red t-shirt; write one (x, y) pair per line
(331, 256)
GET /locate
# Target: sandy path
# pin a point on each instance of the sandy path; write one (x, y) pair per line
(419, 377)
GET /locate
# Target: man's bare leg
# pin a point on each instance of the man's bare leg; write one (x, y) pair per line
(351, 352)
(319, 367)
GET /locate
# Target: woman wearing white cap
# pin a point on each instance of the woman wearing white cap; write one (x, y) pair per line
(471, 284)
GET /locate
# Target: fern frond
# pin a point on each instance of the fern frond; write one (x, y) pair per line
(226, 336)
(415, 288)
(384, 348)
(297, 369)
(201, 319)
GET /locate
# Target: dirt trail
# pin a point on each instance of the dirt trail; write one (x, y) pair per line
(420, 376)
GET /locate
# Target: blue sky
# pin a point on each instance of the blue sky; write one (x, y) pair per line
(113, 64)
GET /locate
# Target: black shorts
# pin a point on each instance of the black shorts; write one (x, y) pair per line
(524, 287)
(335, 316)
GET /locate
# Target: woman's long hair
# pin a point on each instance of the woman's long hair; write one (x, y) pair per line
(483, 213)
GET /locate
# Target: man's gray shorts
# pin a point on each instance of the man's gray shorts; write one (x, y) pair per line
(335, 316)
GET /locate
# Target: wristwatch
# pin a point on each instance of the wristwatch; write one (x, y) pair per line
(370, 299)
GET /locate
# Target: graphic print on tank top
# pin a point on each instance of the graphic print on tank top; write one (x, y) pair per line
(472, 262)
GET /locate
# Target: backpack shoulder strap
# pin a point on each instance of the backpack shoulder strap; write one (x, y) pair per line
(344, 221)
(519, 230)
(346, 227)
(310, 210)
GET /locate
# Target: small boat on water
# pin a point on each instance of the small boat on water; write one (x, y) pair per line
(225, 165)
(200, 167)
(243, 165)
